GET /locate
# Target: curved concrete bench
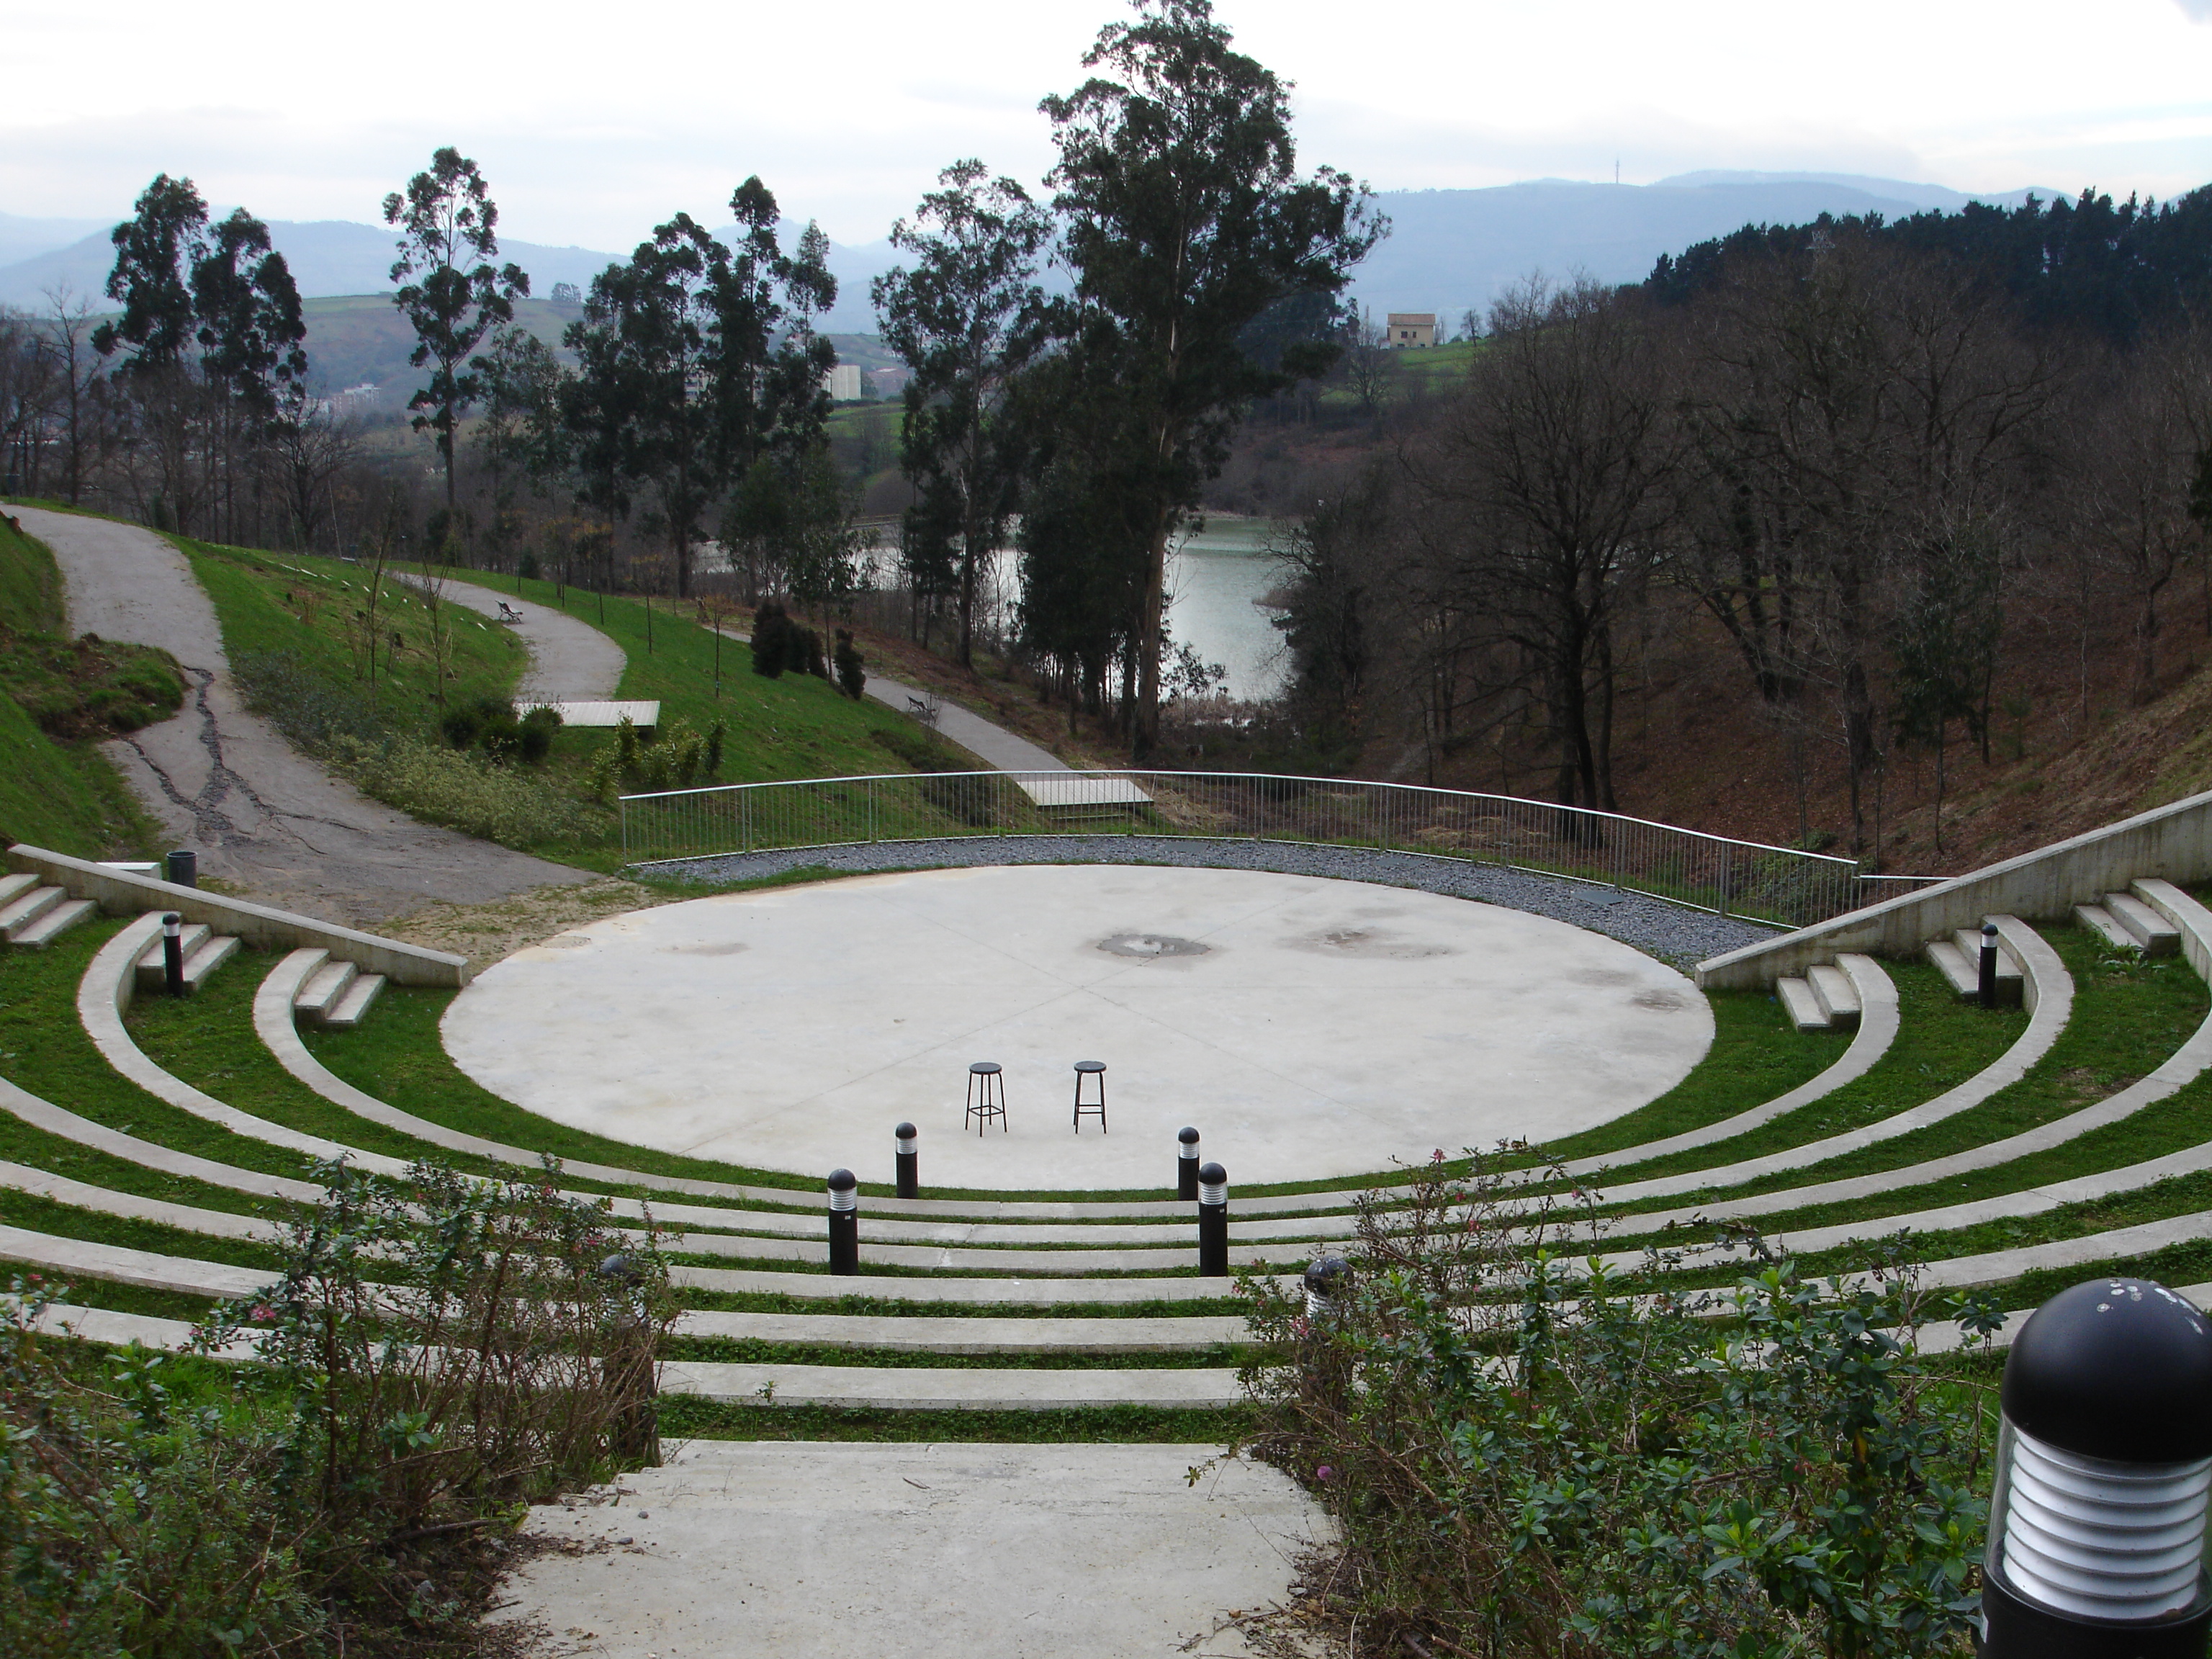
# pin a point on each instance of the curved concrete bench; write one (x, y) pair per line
(274, 1023)
(105, 990)
(1879, 1024)
(44, 1114)
(2052, 1006)
(2185, 1065)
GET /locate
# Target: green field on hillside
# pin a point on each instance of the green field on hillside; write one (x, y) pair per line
(58, 698)
(298, 641)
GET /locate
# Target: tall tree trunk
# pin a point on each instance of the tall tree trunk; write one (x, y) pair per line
(1151, 619)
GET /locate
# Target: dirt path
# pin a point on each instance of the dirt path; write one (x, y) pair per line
(570, 661)
(263, 818)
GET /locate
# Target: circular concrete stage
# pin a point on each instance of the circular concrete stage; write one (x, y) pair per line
(1309, 1028)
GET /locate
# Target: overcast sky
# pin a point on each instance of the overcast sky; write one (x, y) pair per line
(593, 122)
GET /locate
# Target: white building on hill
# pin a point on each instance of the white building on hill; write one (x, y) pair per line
(1411, 328)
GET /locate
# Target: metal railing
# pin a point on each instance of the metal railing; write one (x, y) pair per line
(1776, 884)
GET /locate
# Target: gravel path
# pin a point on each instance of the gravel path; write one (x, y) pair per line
(1669, 932)
(570, 661)
(222, 781)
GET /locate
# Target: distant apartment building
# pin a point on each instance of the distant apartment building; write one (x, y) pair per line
(843, 383)
(1411, 328)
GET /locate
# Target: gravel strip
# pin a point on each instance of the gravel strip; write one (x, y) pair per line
(1672, 933)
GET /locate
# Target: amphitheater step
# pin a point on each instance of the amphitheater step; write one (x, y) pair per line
(324, 987)
(949, 1389)
(2153, 935)
(15, 885)
(347, 1012)
(921, 1334)
(2009, 982)
(22, 912)
(55, 923)
(1836, 995)
(1964, 975)
(1804, 1007)
(153, 973)
(2099, 920)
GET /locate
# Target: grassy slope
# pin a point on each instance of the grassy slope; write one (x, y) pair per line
(790, 727)
(67, 797)
(271, 602)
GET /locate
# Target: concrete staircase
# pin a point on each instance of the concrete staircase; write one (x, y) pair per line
(204, 952)
(34, 913)
(336, 993)
(1823, 1000)
(1958, 959)
(2126, 922)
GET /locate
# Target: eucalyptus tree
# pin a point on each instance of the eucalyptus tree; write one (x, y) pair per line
(652, 327)
(449, 289)
(964, 320)
(1186, 219)
(183, 282)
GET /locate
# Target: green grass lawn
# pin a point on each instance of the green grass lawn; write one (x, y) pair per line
(45, 1051)
(60, 791)
(304, 616)
(1940, 1043)
(312, 609)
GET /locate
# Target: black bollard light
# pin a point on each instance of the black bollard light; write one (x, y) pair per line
(184, 867)
(909, 1160)
(1326, 1279)
(1186, 1163)
(172, 953)
(1988, 985)
(1212, 1222)
(2104, 1465)
(844, 1222)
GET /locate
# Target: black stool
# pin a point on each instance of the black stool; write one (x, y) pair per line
(1096, 1068)
(987, 1096)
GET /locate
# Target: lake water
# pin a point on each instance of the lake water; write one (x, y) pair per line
(1214, 577)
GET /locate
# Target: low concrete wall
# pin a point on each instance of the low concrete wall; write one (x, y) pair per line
(2172, 843)
(120, 893)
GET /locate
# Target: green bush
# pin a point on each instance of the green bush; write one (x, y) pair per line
(467, 792)
(779, 644)
(851, 666)
(490, 724)
(1526, 1458)
(676, 758)
(346, 1489)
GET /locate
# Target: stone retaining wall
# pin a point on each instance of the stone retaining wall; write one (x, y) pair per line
(119, 893)
(2173, 843)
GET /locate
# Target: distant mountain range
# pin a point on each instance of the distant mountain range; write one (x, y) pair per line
(1450, 250)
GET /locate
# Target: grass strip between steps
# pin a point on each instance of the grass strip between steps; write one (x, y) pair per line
(1940, 1043)
(2129, 1017)
(398, 1055)
(46, 1215)
(83, 1290)
(690, 1417)
(43, 1051)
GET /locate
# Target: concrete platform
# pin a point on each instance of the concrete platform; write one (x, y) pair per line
(1309, 1028)
(809, 1550)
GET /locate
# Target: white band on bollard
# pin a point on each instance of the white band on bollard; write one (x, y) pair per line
(1211, 1191)
(848, 1199)
(909, 1143)
(2107, 1541)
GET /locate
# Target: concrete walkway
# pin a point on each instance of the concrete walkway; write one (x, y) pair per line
(802, 1549)
(570, 661)
(994, 746)
(224, 783)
